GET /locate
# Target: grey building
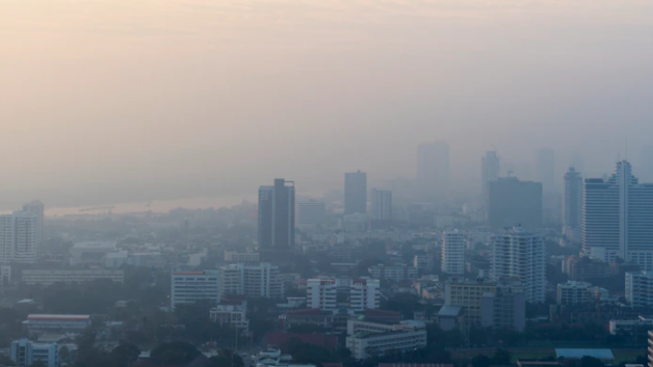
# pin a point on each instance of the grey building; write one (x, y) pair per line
(433, 171)
(505, 307)
(546, 169)
(276, 216)
(513, 202)
(572, 204)
(311, 213)
(490, 170)
(356, 192)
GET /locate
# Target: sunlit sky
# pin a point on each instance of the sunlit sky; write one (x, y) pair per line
(107, 101)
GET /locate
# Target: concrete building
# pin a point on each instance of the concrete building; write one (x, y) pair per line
(453, 253)
(51, 276)
(618, 218)
(505, 307)
(585, 268)
(433, 171)
(36, 209)
(572, 293)
(356, 192)
(572, 205)
(321, 293)
(546, 169)
(152, 259)
(91, 252)
(276, 217)
(26, 353)
(38, 323)
(365, 293)
(252, 280)
(397, 273)
(5, 276)
(232, 315)
(241, 257)
(649, 350)
(520, 253)
(381, 214)
(368, 339)
(512, 202)
(639, 288)
(311, 213)
(19, 238)
(468, 294)
(188, 287)
(423, 262)
(490, 171)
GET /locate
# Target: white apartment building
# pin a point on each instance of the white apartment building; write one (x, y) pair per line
(18, 238)
(365, 294)
(241, 257)
(36, 323)
(573, 292)
(639, 288)
(252, 280)
(233, 315)
(520, 253)
(189, 287)
(26, 353)
(453, 253)
(51, 276)
(321, 293)
(367, 339)
(396, 273)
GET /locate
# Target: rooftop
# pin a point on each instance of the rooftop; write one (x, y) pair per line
(605, 354)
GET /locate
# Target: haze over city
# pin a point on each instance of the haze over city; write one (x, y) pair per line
(118, 101)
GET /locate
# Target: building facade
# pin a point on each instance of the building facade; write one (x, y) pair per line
(19, 238)
(368, 339)
(37, 323)
(26, 353)
(396, 273)
(505, 307)
(321, 293)
(311, 213)
(572, 205)
(546, 169)
(639, 288)
(512, 202)
(356, 192)
(453, 252)
(276, 216)
(572, 293)
(520, 253)
(37, 210)
(252, 280)
(433, 171)
(365, 294)
(189, 287)
(51, 276)
(490, 171)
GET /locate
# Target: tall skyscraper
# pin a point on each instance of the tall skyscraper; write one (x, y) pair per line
(512, 202)
(37, 209)
(618, 218)
(490, 170)
(356, 192)
(381, 205)
(276, 216)
(18, 238)
(453, 253)
(546, 169)
(433, 171)
(572, 205)
(519, 253)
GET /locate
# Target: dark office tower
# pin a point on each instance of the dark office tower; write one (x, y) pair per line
(381, 215)
(572, 205)
(490, 169)
(546, 169)
(512, 203)
(433, 171)
(647, 163)
(356, 192)
(276, 216)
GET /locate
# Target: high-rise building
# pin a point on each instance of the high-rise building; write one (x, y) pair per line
(512, 202)
(519, 253)
(321, 293)
(25, 352)
(356, 192)
(276, 216)
(365, 293)
(546, 169)
(433, 171)
(381, 215)
(572, 205)
(311, 213)
(453, 253)
(188, 287)
(18, 238)
(251, 280)
(618, 218)
(639, 289)
(37, 209)
(490, 170)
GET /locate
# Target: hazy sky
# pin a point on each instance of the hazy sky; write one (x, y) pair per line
(120, 100)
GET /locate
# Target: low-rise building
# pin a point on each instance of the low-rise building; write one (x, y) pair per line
(572, 292)
(365, 293)
(366, 339)
(51, 276)
(90, 252)
(396, 273)
(26, 353)
(639, 288)
(232, 315)
(241, 257)
(188, 287)
(37, 323)
(630, 326)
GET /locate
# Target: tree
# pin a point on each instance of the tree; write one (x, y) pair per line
(481, 360)
(226, 358)
(38, 364)
(174, 353)
(64, 354)
(588, 361)
(501, 357)
(125, 353)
